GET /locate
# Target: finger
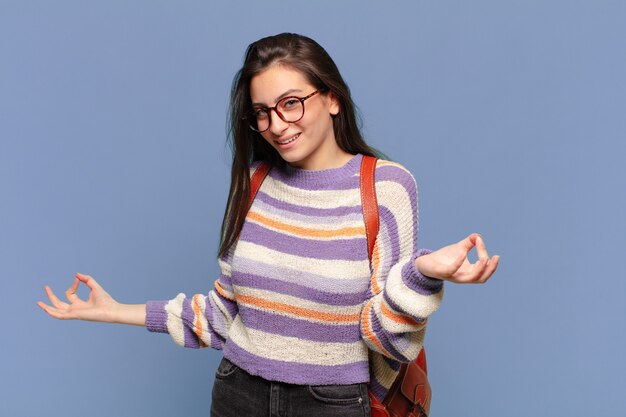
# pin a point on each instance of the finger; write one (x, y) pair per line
(491, 268)
(53, 298)
(51, 311)
(89, 281)
(70, 294)
(476, 271)
(481, 249)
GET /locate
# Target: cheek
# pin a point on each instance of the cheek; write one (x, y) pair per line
(320, 123)
(266, 136)
(315, 120)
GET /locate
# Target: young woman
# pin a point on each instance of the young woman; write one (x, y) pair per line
(306, 323)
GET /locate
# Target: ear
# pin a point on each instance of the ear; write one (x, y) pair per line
(333, 103)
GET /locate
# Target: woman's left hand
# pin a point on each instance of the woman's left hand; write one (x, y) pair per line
(450, 263)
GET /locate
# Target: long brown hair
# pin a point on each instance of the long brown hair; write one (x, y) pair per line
(308, 57)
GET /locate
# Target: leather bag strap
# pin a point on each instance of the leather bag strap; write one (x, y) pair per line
(257, 179)
(368, 201)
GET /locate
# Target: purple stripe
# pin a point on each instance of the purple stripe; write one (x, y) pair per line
(218, 327)
(156, 316)
(412, 278)
(225, 282)
(377, 389)
(335, 298)
(398, 175)
(385, 337)
(305, 278)
(348, 182)
(191, 340)
(297, 373)
(307, 211)
(327, 179)
(301, 329)
(340, 249)
(391, 226)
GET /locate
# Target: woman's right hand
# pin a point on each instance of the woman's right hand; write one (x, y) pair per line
(100, 306)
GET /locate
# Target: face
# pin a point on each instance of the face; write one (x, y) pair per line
(310, 142)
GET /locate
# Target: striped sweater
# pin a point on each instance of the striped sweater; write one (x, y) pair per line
(298, 300)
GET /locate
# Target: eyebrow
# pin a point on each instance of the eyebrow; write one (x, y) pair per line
(283, 95)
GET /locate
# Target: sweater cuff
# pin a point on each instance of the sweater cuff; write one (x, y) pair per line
(156, 316)
(419, 282)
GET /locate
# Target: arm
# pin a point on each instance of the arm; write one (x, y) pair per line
(197, 322)
(393, 320)
(192, 322)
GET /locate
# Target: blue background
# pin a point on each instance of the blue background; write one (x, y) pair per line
(511, 115)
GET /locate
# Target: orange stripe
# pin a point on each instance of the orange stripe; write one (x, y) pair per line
(196, 311)
(375, 264)
(398, 318)
(368, 331)
(306, 232)
(223, 292)
(299, 311)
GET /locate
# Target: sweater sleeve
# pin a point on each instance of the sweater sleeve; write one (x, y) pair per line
(198, 321)
(393, 319)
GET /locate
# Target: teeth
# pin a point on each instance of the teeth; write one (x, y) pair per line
(290, 140)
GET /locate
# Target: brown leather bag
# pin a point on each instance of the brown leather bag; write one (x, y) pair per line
(410, 393)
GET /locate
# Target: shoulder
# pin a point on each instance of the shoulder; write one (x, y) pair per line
(396, 194)
(254, 166)
(391, 175)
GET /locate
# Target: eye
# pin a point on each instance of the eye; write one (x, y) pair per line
(291, 103)
(259, 113)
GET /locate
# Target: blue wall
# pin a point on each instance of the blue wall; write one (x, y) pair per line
(112, 163)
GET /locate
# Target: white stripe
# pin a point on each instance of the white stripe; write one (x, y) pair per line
(413, 303)
(326, 199)
(394, 197)
(331, 268)
(175, 328)
(303, 220)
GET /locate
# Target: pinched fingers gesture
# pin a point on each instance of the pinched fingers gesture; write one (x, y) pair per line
(98, 306)
(450, 263)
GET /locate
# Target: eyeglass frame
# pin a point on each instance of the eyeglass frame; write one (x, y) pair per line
(269, 110)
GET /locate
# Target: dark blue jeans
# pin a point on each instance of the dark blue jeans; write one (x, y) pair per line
(236, 393)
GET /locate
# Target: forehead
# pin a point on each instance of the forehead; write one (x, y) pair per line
(268, 85)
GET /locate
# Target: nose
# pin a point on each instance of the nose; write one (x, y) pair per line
(277, 124)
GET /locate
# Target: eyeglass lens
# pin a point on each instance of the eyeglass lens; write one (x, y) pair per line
(290, 109)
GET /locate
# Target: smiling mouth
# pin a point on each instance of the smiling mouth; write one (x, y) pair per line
(291, 139)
